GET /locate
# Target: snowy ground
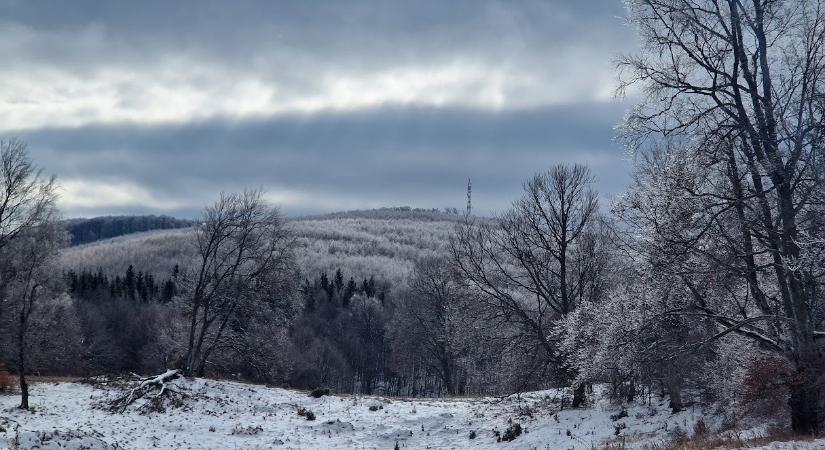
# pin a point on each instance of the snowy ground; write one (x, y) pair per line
(230, 415)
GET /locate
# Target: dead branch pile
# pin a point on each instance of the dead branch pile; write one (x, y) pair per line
(157, 389)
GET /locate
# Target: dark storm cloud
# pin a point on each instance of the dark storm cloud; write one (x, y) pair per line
(331, 105)
(355, 31)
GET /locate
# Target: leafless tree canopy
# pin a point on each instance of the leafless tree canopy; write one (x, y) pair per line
(26, 198)
(531, 266)
(244, 255)
(29, 240)
(431, 323)
(731, 195)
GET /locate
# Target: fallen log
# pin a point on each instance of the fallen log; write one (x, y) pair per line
(157, 383)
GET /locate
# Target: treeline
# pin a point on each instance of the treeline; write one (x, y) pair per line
(372, 337)
(83, 231)
(133, 286)
(340, 339)
(336, 291)
(396, 213)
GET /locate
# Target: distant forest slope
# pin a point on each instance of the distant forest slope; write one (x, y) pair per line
(396, 212)
(383, 243)
(84, 231)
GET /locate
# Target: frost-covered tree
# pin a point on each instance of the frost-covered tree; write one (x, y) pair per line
(243, 262)
(533, 265)
(629, 337)
(29, 239)
(27, 199)
(27, 271)
(430, 324)
(731, 208)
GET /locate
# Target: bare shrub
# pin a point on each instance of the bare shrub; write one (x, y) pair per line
(765, 387)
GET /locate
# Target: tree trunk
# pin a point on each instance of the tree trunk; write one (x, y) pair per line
(197, 362)
(24, 386)
(21, 360)
(579, 396)
(190, 349)
(805, 414)
(631, 391)
(201, 369)
(447, 373)
(674, 391)
(806, 403)
(201, 365)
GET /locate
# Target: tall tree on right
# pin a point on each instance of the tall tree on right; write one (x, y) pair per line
(728, 201)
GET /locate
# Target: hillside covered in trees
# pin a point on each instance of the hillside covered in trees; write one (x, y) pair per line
(83, 231)
(352, 269)
(383, 242)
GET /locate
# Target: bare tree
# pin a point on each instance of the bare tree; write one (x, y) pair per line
(429, 320)
(243, 258)
(531, 266)
(26, 198)
(28, 278)
(736, 88)
(29, 239)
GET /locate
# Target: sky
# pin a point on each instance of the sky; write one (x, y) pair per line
(158, 106)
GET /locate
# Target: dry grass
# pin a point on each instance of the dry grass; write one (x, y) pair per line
(710, 441)
(7, 382)
(40, 379)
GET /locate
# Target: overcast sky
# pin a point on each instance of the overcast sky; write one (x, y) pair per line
(157, 106)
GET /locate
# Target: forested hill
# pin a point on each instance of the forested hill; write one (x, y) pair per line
(83, 231)
(394, 213)
(86, 230)
(382, 242)
(352, 271)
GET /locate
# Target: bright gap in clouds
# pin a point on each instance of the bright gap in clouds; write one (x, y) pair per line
(85, 198)
(84, 194)
(181, 91)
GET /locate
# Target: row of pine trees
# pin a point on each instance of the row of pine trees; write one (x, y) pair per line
(132, 285)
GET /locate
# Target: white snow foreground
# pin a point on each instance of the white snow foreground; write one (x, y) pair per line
(230, 415)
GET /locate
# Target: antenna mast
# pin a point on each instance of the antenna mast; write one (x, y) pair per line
(469, 197)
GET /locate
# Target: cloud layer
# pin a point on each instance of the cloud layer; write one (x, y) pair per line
(143, 106)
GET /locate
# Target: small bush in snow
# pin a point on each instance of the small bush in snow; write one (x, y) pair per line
(306, 413)
(678, 435)
(319, 392)
(246, 431)
(700, 428)
(526, 411)
(512, 432)
(6, 381)
(766, 387)
(473, 434)
(620, 415)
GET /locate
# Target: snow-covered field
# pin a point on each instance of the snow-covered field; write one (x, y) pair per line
(229, 415)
